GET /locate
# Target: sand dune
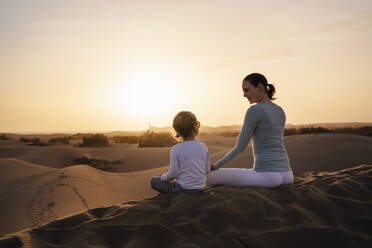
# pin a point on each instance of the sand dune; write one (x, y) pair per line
(40, 184)
(32, 195)
(327, 152)
(327, 209)
(60, 156)
(14, 171)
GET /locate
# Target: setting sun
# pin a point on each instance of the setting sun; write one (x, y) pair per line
(147, 95)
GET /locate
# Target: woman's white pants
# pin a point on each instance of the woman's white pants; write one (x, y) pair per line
(249, 177)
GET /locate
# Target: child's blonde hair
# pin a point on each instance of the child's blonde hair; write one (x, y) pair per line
(184, 123)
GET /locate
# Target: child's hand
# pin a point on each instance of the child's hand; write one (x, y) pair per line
(212, 167)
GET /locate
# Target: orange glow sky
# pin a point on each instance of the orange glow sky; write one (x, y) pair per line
(119, 65)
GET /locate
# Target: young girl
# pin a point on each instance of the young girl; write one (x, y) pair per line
(189, 160)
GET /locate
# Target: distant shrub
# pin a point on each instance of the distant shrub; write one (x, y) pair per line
(126, 139)
(78, 136)
(152, 139)
(290, 131)
(60, 140)
(366, 130)
(36, 142)
(32, 142)
(95, 140)
(24, 140)
(305, 130)
(4, 137)
(100, 164)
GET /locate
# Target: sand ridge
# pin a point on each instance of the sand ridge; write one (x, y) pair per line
(319, 210)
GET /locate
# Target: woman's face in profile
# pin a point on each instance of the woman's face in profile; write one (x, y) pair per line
(253, 94)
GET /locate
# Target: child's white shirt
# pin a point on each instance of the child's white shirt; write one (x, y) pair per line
(189, 164)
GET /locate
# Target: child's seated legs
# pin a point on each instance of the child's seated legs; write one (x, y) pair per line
(165, 186)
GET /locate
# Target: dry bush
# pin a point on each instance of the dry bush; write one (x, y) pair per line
(152, 139)
(4, 137)
(24, 140)
(95, 140)
(36, 142)
(60, 140)
(290, 131)
(305, 130)
(79, 136)
(365, 131)
(100, 164)
(126, 139)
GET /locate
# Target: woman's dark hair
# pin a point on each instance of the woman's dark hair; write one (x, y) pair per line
(184, 123)
(257, 78)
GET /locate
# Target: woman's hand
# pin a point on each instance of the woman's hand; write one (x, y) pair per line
(212, 167)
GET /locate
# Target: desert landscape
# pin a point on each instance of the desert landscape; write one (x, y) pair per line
(104, 104)
(60, 195)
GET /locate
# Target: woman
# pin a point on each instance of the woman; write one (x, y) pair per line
(264, 124)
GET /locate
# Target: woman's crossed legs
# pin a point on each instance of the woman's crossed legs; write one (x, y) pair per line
(249, 177)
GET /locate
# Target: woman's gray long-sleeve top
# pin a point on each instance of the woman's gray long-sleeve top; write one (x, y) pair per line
(264, 124)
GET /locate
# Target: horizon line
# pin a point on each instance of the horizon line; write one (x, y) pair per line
(159, 127)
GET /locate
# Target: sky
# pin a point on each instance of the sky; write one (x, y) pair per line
(84, 65)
